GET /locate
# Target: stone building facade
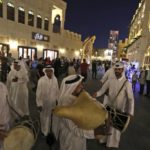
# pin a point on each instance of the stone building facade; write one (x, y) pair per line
(31, 28)
(121, 54)
(139, 33)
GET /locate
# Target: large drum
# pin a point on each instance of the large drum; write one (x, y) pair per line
(119, 120)
(22, 136)
(85, 112)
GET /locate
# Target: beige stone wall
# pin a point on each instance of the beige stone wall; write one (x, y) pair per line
(121, 45)
(21, 34)
(139, 33)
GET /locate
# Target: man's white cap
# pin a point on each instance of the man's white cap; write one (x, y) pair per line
(119, 65)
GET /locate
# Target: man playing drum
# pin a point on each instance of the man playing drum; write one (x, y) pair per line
(122, 101)
(71, 136)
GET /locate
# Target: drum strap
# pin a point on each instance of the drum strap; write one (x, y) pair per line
(120, 89)
(112, 111)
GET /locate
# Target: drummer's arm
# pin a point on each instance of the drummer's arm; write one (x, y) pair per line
(102, 90)
(130, 100)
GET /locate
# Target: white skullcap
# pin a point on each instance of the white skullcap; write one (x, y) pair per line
(119, 65)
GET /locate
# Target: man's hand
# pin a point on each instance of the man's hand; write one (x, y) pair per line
(39, 108)
(15, 79)
(95, 95)
(101, 130)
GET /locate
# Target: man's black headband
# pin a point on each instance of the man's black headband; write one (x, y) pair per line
(73, 80)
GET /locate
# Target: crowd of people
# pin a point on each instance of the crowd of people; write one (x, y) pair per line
(43, 74)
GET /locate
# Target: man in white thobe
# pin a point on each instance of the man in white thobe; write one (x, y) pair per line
(18, 90)
(124, 101)
(46, 97)
(71, 137)
(110, 74)
(4, 111)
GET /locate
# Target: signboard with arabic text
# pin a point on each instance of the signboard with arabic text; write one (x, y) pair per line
(40, 37)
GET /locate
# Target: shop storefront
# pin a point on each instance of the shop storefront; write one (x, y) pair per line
(27, 52)
(4, 49)
(147, 58)
(50, 53)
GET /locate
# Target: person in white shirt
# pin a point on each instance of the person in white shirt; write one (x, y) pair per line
(46, 97)
(124, 102)
(17, 87)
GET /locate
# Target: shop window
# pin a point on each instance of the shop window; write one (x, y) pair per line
(57, 24)
(39, 22)
(10, 12)
(52, 54)
(21, 15)
(46, 24)
(4, 49)
(149, 22)
(30, 18)
(1, 8)
(27, 52)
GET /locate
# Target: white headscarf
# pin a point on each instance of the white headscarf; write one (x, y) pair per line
(48, 67)
(68, 85)
(53, 81)
(21, 64)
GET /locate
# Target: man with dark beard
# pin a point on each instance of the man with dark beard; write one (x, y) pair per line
(120, 97)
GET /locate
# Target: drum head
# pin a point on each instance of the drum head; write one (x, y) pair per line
(19, 138)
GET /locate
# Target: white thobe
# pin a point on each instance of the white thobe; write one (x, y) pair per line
(18, 91)
(46, 96)
(4, 110)
(124, 102)
(110, 74)
(71, 137)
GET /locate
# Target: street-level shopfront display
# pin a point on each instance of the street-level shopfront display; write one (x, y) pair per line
(147, 58)
(52, 54)
(4, 49)
(27, 52)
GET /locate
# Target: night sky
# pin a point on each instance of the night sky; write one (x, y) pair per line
(98, 17)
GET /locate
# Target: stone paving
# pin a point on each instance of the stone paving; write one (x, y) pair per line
(136, 137)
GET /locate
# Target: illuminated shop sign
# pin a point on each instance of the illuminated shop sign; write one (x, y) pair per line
(40, 37)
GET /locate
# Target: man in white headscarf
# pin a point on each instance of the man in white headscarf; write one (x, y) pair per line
(46, 97)
(124, 102)
(4, 112)
(71, 137)
(17, 88)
